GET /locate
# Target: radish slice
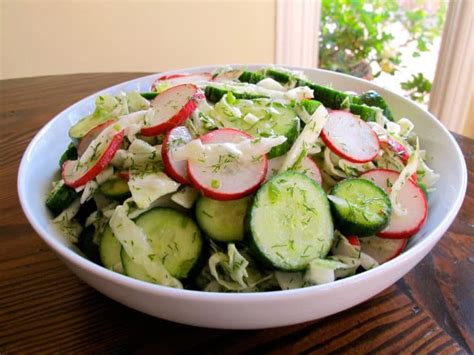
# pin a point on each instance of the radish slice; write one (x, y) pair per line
(411, 197)
(309, 167)
(172, 76)
(76, 173)
(177, 137)
(380, 249)
(397, 148)
(350, 137)
(178, 79)
(353, 240)
(171, 108)
(91, 135)
(229, 180)
(124, 175)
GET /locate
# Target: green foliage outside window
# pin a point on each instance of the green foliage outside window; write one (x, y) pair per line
(355, 34)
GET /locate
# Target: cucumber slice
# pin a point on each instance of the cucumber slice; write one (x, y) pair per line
(310, 105)
(60, 197)
(69, 154)
(373, 98)
(329, 97)
(275, 119)
(222, 221)
(175, 238)
(365, 112)
(360, 207)
(81, 128)
(133, 269)
(278, 75)
(116, 189)
(109, 250)
(289, 222)
(149, 95)
(214, 94)
(251, 77)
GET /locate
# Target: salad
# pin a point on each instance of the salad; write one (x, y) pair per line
(241, 181)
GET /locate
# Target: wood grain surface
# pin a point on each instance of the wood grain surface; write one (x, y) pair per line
(45, 308)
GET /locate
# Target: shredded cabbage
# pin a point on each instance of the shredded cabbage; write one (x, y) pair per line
(71, 228)
(321, 271)
(405, 174)
(367, 262)
(246, 150)
(185, 197)
(89, 190)
(106, 174)
(307, 139)
(289, 280)
(135, 243)
(148, 187)
(232, 270)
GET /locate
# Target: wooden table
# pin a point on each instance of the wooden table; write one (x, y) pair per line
(45, 308)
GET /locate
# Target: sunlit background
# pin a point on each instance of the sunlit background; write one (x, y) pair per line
(395, 43)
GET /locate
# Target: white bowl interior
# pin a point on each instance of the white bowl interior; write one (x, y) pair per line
(40, 165)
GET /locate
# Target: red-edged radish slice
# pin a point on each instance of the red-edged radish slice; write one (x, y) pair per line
(397, 148)
(232, 179)
(176, 138)
(178, 79)
(350, 137)
(75, 175)
(172, 76)
(353, 240)
(309, 167)
(172, 107)
(228, 75)
(411, 198)
(124, 175)
(380, 249)
(91, 135)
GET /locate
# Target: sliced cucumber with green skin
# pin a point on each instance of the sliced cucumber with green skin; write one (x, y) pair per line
(133, 269)
(281, 120)
(214, 94)
(149, 95)
(289, 222)
(175, 238)
(116, 189)
(222, 221)
(284, 123)
(310, 105)
(109, 250)
(60, 197)
(329, 97)
(81, 128)
(367, 113)
(69, 154)
(279, 76)
(360, 207)
(373, 98)
(251, 77)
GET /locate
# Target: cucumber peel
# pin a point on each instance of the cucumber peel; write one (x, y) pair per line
(289, 222)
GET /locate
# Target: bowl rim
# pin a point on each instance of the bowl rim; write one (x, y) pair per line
(185, 294)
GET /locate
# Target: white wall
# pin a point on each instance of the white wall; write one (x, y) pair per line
(44, 37)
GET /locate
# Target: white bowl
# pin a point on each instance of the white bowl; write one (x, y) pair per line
(254, 310)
